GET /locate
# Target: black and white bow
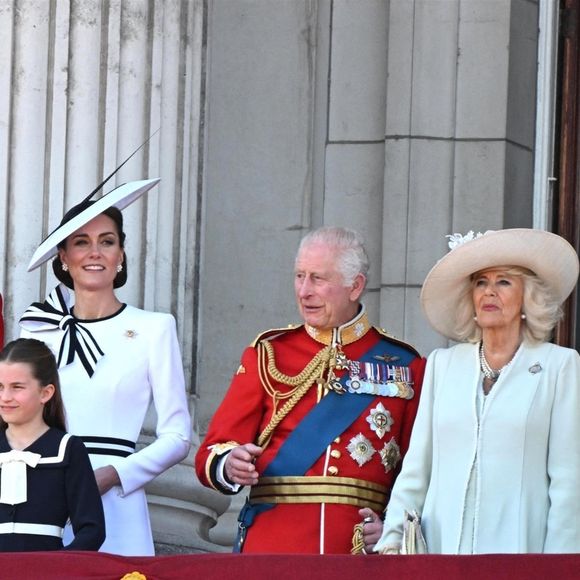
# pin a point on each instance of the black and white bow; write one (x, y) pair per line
(54, 313)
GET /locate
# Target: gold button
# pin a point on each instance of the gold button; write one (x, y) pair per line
(333, 470)
(337, 440)
(335, 453)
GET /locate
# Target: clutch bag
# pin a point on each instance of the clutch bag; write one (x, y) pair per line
(413, 540)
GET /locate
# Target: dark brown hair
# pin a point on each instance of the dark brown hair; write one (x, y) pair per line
(117, 217)
(42, 364)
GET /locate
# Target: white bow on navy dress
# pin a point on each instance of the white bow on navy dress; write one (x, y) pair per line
(13, 489)
(53, 314)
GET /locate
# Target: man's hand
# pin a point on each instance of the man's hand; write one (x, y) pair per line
(372, 528)
(239, 466)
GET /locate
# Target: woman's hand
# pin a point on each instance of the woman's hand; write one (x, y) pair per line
(107, 478)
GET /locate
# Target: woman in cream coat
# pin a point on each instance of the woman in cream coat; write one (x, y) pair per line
(494, 460)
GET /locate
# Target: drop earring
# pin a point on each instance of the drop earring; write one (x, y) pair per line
(64, 267)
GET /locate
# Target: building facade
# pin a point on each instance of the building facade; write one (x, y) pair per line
(405, 119)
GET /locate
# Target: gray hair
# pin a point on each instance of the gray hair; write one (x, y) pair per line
(353, 259)
(542, 310)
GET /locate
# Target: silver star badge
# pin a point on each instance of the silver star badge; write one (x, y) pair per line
(380, 420)
(390, 455)
(361, 449)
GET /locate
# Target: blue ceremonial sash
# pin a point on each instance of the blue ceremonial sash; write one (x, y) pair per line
(328, 419)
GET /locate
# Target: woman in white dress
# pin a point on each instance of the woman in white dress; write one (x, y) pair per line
(113, 360)
(494, 461)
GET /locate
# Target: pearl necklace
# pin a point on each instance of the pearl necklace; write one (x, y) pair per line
(486, 369)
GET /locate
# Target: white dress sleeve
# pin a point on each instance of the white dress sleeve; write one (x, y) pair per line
(411, 484)
(173, 429)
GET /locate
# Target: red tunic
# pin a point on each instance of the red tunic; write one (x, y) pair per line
(247, 409)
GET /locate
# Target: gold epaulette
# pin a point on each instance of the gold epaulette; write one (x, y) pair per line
(396, 340)
(274, 332)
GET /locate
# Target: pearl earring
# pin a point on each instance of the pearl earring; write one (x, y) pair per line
(64, 267)
(475, 318)
(119, 268)
(523, 316)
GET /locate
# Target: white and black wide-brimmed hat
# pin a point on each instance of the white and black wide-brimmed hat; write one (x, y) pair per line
(85, 211)
(546, 254)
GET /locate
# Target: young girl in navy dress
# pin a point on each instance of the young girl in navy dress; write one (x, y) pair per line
(45, 474)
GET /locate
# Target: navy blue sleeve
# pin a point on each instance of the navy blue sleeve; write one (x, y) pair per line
(84, 500)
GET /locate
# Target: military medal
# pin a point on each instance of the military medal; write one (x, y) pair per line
(380, 420)
(377, 378)
(390, 455)
(360, 449)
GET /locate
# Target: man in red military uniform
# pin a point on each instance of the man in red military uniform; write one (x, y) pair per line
(319, 416)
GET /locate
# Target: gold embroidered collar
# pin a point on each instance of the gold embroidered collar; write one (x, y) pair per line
(345, 334)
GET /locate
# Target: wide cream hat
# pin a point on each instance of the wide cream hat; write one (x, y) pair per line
(546, 254)
(119, 197)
